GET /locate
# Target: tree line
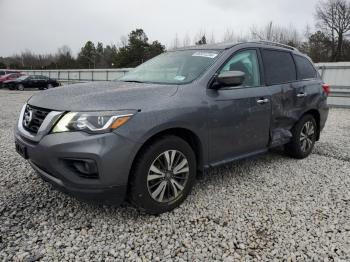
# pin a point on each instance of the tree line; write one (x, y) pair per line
(330, 42)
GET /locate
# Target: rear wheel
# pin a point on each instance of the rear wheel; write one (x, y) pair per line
(20, 87)
(304, 137)
(163, 175)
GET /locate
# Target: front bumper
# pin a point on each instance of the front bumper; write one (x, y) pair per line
(112, 153)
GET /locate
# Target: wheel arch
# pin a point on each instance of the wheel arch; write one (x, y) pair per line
(316, 114)
(186, 134)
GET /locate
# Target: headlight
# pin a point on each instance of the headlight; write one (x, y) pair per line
(91, 122)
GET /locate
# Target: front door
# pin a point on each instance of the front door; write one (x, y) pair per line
(239, 117)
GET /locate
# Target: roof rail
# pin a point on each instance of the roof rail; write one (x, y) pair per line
(276, 44)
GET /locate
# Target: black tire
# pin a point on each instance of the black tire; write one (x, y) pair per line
(139, 186)
(296, 147)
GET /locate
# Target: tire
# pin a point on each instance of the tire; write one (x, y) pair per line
(20, 87)
(304, 138)
(152, 188)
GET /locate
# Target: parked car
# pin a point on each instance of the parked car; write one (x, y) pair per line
(8, 71)
(145, 137)
(33, 81)
(9, 77)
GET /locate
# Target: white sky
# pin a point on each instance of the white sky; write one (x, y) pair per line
(44, 25)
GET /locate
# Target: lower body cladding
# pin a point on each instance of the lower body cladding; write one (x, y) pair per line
(90, 167)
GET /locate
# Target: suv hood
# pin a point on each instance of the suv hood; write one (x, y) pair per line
(95, 96)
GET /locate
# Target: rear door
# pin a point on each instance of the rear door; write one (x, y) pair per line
(281, 78)
(239, 117)
(309, 85)
(42, 81)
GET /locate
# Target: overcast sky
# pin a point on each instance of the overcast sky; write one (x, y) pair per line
(44, 25)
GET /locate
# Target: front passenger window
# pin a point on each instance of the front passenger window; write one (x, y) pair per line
(246, 62)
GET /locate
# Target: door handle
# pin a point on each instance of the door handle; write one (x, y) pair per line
(301, 95)
(262, 101)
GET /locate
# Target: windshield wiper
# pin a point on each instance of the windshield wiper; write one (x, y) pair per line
(132, 81)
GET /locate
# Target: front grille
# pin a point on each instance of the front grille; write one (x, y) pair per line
(33, 118)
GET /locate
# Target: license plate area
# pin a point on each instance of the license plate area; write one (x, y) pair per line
(22, 150)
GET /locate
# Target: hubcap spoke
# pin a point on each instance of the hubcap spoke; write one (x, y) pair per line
(154, 169)
(160, 191)
(177, 188)
(180, 166)
(154, 176)
(182, 170)
(169, 157)
(303, 145)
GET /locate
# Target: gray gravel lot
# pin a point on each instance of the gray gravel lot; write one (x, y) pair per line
(265, 208)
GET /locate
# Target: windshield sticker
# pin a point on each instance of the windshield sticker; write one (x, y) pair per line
(205, 54)
(180, 78)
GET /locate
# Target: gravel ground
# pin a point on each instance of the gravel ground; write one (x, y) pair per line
(267, 208)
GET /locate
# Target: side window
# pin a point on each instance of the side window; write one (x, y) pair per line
(279, 67)
(247, 62)
(304, 68)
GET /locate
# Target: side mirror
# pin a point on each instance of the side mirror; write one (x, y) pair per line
(230, 78)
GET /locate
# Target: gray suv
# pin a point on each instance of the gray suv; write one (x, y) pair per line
(145, 137)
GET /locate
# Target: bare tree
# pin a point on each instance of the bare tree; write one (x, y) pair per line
(176, 42)
(211, 40)
(334, 19)
(229, 36)
(186, 40)
(270, 32)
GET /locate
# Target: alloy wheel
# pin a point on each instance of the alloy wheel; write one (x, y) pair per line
(307, 136)
(167, 176)
(20, 87)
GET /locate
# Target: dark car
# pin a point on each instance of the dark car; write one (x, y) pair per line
(145, 137)
(8, 77)
(33, 81)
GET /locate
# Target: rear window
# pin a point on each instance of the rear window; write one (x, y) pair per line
(279, 67)
(304, 68)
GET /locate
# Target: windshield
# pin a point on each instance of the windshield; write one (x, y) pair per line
(22, 77)
(177, 67)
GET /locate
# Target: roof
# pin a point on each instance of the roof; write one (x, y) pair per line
(223, 46)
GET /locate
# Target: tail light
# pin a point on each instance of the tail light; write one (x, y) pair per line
(326, 89)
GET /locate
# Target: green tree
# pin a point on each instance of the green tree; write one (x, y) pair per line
(100, 59)
(202, 41)
(154, 49)
(87, 56)
(137, 50)
(319, 47)
(110, 55)
(2, 64)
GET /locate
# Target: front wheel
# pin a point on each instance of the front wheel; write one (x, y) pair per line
(20, 87)
(304, 138)
(163, 175)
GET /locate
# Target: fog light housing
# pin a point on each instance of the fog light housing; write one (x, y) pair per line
(86, 168)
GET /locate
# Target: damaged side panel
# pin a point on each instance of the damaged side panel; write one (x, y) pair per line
(284, 114)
